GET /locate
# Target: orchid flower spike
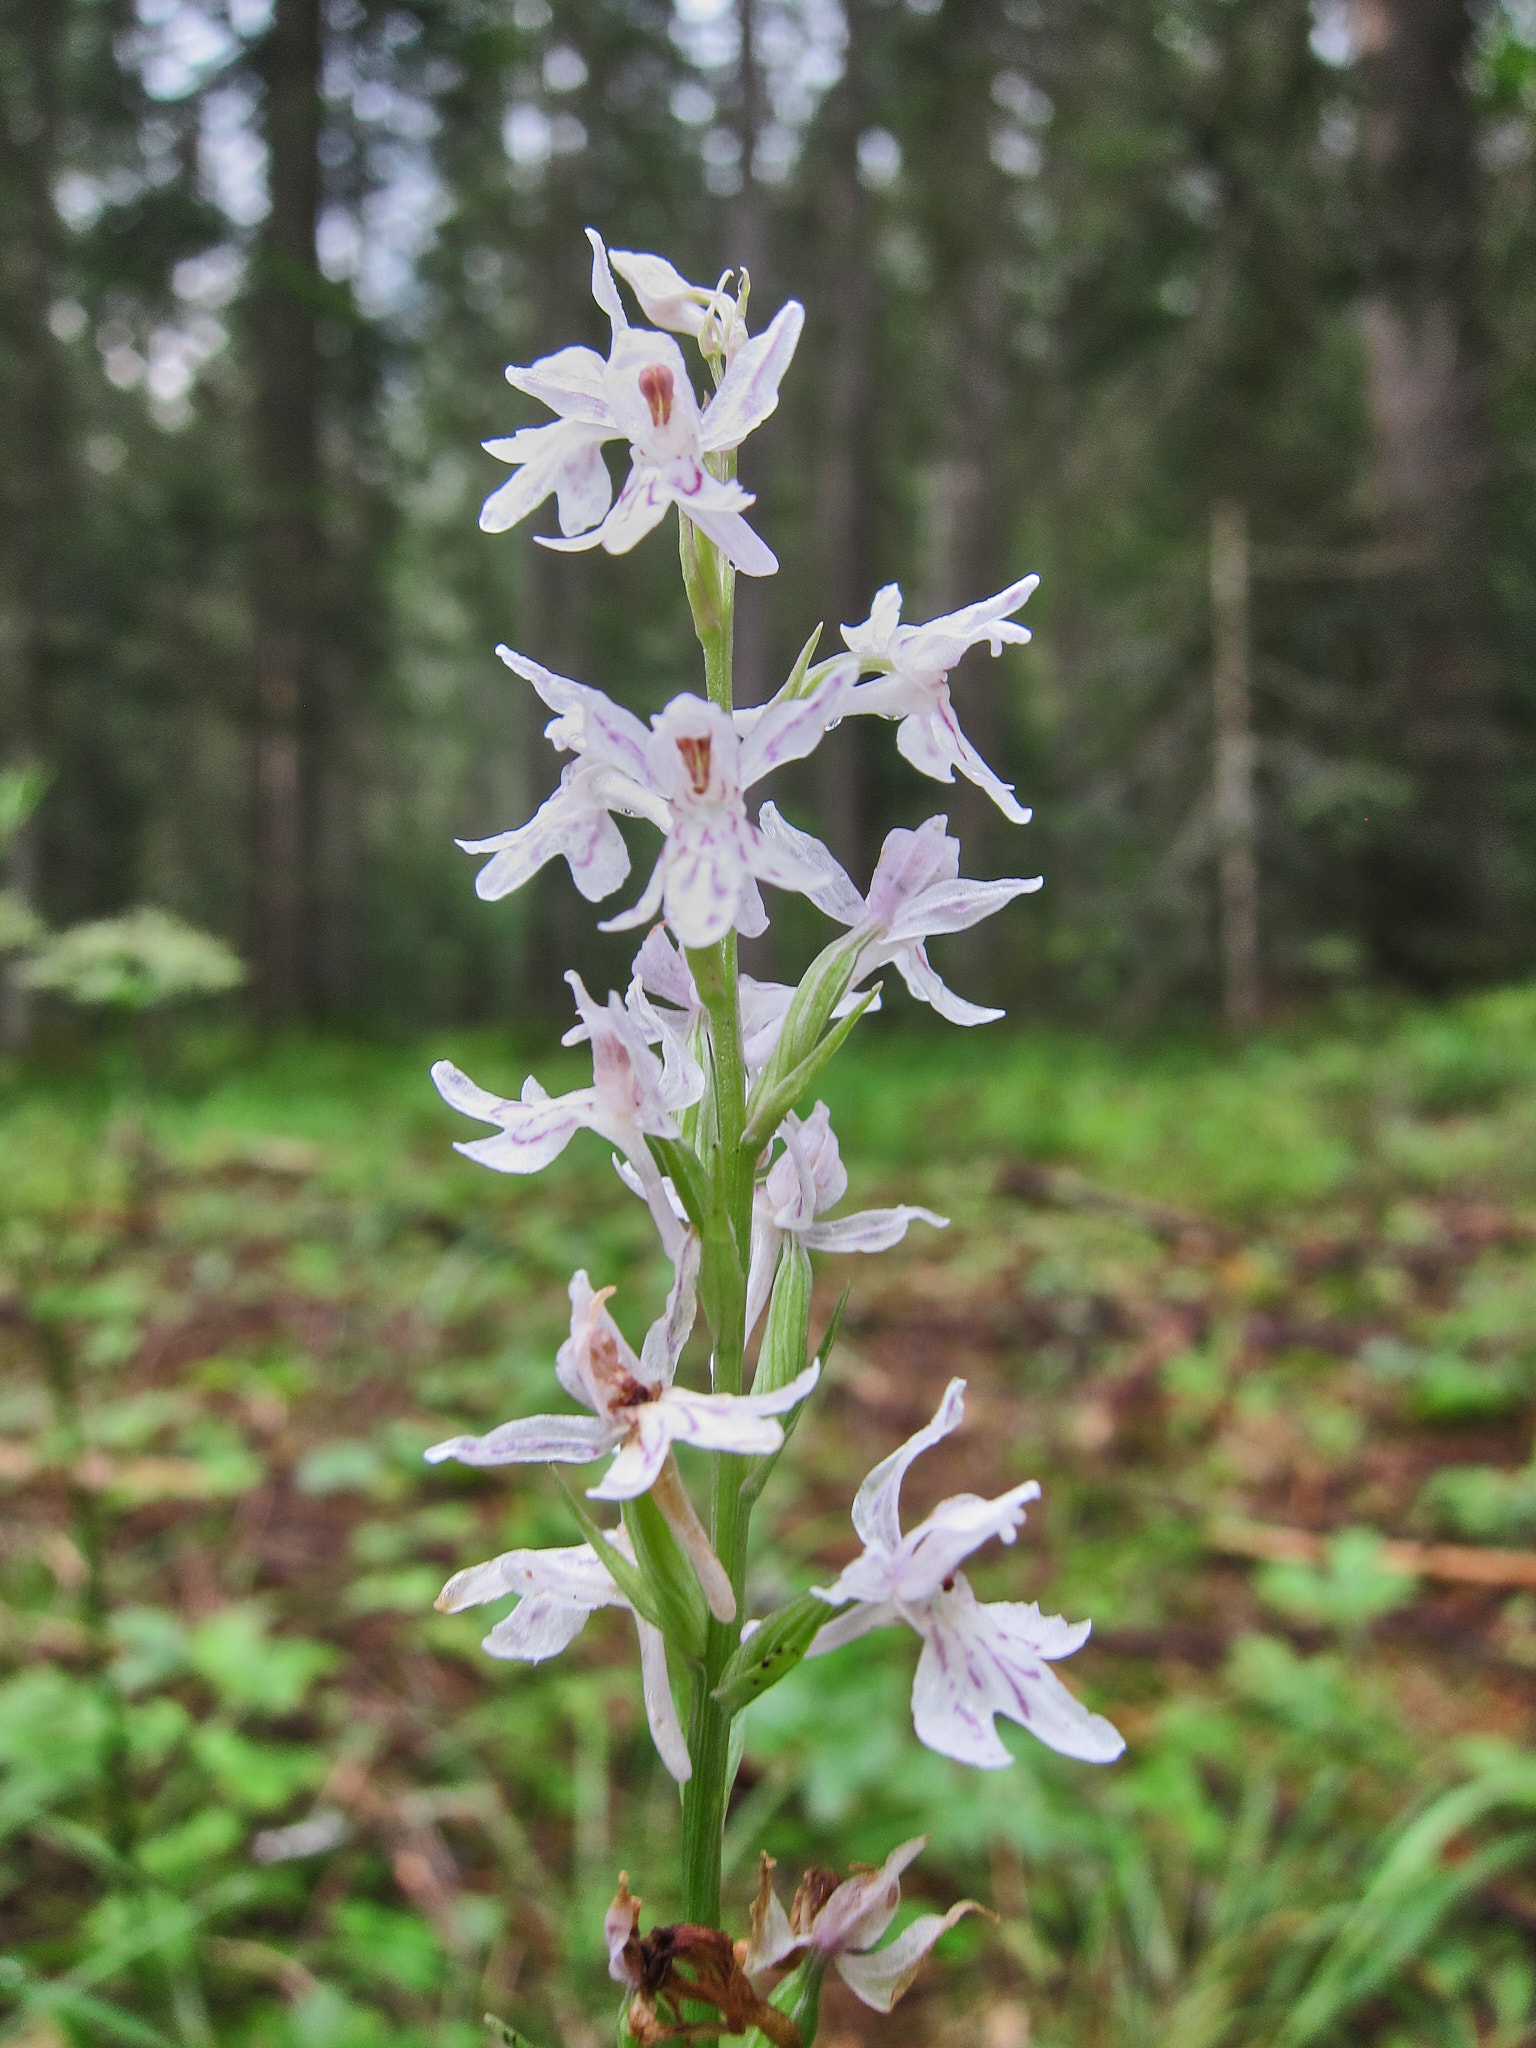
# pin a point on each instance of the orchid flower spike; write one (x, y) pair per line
(633, 1096)
(641, 394)
(807, 1178)
(979, 1660)
(915, 894)
(557, 1590)
(840, 1922)
(637, 1414)
(688, 773)
(913, 685)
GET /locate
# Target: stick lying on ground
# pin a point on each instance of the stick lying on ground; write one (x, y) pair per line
(1057, 1187)
(1457, 1563)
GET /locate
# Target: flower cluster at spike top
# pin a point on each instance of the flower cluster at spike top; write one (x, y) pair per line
(700, 1080)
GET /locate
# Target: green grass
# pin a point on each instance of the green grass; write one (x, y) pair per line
(1291, 1281)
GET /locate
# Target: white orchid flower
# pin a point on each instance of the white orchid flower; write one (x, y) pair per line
(840, 1923)
(807, 1178)
(667, 299)
(633, 1096)
(637, 1414)
(688, 773)
(557, 1591)
(574, 824)
(979, 1660)
(914, 687)
(641, 394)
(915, 894)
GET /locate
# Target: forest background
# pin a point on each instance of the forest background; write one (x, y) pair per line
(1221, 314)
(1079, 275)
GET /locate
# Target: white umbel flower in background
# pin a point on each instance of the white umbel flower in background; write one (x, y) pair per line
(915, 684)
(979, 1660)
(557, 1592)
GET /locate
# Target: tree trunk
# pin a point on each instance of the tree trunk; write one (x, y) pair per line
(36, 483)
(1420, 327)
(289, 541)
(748, 251)
(1237, 872)
(841, 508)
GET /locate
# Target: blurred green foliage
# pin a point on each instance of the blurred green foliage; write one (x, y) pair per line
(253, 1790)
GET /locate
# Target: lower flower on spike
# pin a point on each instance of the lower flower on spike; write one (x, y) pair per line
(558, 1591)
(979, 1659)
(839, 1922)
(673, 1966)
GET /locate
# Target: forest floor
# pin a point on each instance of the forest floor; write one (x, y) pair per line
(1261, 1321)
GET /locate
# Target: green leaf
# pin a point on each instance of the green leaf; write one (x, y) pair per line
(253, 1671)
(771, 1652)
(671, 1579)
(681, 1162)
(822, 987)
(787, 1330)
(801, 682)
(509, 2037)
(625, 1576)
(758, 1477)
(772, 1104)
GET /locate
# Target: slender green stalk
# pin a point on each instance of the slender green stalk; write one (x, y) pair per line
(710, 582)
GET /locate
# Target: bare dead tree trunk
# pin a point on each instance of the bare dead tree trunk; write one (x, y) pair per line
(1420, 326)
(289, 541)
(844, 582)
(748, 251)
(37, 474)
(1235, 810)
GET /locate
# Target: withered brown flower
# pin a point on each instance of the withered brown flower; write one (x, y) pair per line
(680, 1965)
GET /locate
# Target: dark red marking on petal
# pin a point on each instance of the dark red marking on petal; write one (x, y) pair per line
(656, 388)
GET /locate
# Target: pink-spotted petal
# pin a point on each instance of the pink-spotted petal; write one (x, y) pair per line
(832, 890)
(792, 727)
(923, 982)
(864, 1905)
(978, 1663)
(539, 1627)
(604, 290)
(879, 1980)
(531, 1440)
(868, 1230)
(571, 382)
(877, 1504)
(660, 1707)
(749, 391)
(574, 1573)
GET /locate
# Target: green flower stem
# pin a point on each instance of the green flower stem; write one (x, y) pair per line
(710, 583)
